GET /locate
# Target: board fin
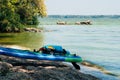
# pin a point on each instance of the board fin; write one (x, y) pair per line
(76, 66)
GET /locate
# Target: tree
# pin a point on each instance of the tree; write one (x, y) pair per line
(14, 14)
(41, 7)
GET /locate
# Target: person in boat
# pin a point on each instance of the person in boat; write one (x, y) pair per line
(53, 49)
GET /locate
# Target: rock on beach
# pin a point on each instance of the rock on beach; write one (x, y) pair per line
(12, 68)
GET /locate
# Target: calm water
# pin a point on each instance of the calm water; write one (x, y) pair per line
(98, 43)
(26, 39)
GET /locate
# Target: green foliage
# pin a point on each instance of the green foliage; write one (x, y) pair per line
(14, 14)
(41, 7)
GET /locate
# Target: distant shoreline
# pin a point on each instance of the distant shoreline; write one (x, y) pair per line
(83, 16)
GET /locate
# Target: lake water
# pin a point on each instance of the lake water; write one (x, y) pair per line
(98, 43)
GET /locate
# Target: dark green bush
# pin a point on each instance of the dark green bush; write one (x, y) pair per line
(16, 14)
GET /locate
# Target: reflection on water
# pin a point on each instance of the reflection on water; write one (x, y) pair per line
(26, 39)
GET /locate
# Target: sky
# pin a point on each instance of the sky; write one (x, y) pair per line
(83, 7)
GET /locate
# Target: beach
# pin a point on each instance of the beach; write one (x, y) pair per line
(13, 68)
(28, 69)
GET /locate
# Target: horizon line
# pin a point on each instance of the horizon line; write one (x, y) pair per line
(85, 15)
